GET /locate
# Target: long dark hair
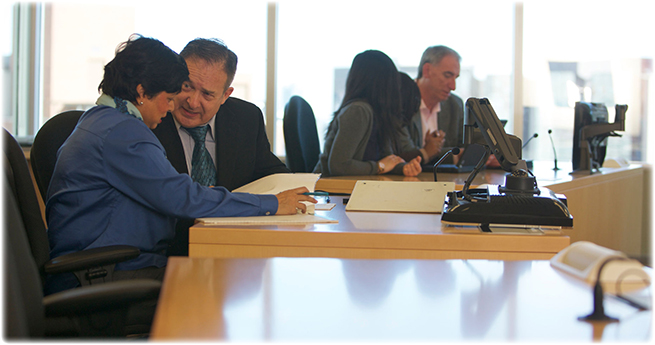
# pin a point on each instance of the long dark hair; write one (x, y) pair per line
(373, 78)
(411, 97)
(145, 61)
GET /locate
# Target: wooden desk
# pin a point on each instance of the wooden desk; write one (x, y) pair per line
(336, 300)
(607, 207)
(368, 235)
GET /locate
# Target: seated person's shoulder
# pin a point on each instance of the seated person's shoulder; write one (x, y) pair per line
(357, 107)
(237, 104)
(453, 98)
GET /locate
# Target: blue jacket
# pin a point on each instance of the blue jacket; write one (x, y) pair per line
(112, 184)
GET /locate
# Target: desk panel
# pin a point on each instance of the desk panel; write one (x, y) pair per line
(607, 207)
(369, 235)
(336, 300)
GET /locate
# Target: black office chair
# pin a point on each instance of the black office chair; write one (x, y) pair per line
(89, 266)
(87, 312)
(47, 142)
(300, 135)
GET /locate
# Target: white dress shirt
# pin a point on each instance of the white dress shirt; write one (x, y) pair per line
(429, 120)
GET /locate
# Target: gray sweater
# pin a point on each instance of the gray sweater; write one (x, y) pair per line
(346, 142)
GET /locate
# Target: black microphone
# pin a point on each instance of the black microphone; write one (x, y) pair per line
(553, 145)
(453, 151)
(598, 313)
(532, 137)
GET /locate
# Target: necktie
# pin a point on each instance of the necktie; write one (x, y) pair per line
(203, 170)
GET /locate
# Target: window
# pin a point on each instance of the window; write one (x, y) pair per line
(595, 53)
(317, 42)
(592, 52)
(21, 67)
(7, 22)
(80, 38)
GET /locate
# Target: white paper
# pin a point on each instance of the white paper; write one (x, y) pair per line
(276, 183)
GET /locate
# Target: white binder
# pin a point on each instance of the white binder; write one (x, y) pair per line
(399, 196)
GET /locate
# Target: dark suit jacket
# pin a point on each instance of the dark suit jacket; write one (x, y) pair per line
(450, 119)
(242, 151)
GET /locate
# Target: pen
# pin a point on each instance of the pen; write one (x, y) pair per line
(325, 194)
(316, 193)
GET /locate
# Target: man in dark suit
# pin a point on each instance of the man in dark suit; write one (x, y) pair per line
(438, 126)
(235, 136)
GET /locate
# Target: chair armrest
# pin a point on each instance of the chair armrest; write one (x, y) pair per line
(96, 298)
(89, 258)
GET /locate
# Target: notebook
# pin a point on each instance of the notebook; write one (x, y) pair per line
(472, 154)
(399, 196)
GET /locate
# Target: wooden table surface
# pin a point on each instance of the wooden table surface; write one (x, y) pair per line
(336, 300)
(369, 235)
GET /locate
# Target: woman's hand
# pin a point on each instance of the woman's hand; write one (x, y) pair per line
(413, 167)
(289, 201)
(389, 163)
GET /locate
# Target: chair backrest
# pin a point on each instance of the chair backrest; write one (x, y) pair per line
(21, 186)
(300, 135)
(23, 289)
(47, 142)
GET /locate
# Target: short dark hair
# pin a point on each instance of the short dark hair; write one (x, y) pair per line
(145, 61)
(213, 50)
(410, 96)
(434, 55)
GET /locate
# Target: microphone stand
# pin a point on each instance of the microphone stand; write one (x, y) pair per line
(453, 151)
(598, 314)
(553, 145)
(529, 140)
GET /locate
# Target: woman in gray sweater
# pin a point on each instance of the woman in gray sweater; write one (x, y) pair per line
(364, 131)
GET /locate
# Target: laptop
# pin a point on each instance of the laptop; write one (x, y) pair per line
(470, 158)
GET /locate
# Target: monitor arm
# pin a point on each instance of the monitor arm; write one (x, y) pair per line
(591, 136)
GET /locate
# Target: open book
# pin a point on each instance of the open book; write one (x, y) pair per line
(274, 184)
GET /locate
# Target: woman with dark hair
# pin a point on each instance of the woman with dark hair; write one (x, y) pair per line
(411, 103)
(363, 135)
(112, 183)
(410, 97)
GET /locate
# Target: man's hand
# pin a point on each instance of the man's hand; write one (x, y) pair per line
(289, 201)
(413, 167)
(492, 162)
(434, 142)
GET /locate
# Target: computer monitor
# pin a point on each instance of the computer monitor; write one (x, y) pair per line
(520, 200)
(591, 127)
(506, 147)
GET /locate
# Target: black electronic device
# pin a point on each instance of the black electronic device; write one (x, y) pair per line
(591, 128)
(466, 163)
(519, 201)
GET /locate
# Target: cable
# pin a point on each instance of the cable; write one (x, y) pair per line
(618, 287)
(474, 173)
